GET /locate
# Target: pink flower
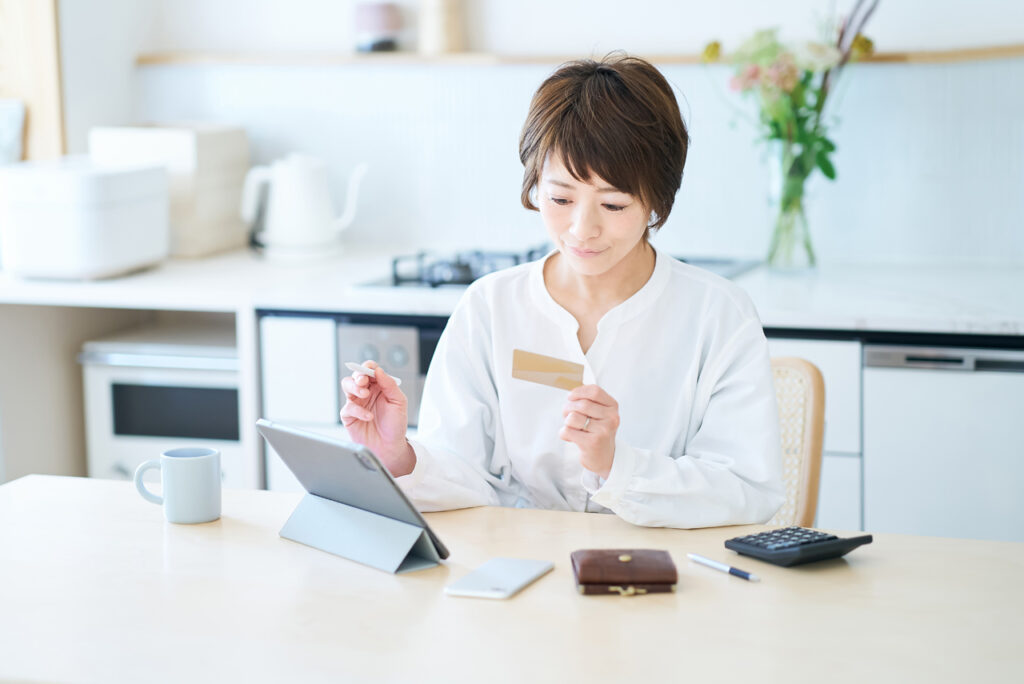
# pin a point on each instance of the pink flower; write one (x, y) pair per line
(746, 79)
(783, 73)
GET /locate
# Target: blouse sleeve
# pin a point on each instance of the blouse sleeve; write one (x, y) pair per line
(730, 471)
(455, 438)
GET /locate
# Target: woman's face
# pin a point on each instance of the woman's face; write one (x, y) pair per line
(592, 224)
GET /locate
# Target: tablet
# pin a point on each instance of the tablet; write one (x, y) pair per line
(344, 472)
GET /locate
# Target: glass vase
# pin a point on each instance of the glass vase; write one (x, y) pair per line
(790, 247)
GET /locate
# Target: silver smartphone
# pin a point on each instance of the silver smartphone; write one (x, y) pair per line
(499, 578)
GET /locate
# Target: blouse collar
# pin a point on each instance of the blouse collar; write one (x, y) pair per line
(625, 310)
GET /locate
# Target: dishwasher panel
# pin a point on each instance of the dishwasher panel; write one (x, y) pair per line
(944, 442)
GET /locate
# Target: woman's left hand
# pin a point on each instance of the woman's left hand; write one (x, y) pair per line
(591, 421)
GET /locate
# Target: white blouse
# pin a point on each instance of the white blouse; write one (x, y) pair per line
(685, 358)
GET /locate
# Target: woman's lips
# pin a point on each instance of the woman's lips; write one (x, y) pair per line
(584, 253)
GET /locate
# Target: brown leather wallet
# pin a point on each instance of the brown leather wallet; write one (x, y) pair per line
(625, 572)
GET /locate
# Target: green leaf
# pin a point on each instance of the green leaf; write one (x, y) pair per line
(803, 136)
(826, 144)
(825, 165)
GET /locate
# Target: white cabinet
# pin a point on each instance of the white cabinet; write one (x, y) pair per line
(299, 369)
(944, 451)
(299, 374)
(839, 495)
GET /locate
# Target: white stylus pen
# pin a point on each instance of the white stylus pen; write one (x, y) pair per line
(360, 368)
(723, 567)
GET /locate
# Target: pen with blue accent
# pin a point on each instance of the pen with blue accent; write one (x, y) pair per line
(723, 567)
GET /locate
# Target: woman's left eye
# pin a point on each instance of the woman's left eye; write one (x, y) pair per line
(614, 207)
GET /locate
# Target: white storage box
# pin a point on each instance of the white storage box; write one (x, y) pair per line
(206, 165)
(73, 218)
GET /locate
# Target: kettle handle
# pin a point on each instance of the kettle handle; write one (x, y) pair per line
(350, 200)
(254, 180)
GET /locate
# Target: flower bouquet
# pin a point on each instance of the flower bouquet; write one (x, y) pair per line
(791, 85)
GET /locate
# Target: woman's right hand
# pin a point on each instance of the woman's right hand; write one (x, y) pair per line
(376, 415)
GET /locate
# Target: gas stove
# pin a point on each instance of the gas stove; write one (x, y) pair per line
(428, 270)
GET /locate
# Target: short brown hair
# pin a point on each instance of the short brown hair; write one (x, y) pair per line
(618, 118)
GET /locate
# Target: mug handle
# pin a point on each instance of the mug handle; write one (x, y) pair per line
(139, 472)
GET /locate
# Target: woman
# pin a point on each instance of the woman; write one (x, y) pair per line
(675, 424)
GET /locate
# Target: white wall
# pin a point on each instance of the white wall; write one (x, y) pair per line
(579, 26)
(929, 159)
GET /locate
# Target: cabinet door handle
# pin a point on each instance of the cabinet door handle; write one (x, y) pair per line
(938, 358)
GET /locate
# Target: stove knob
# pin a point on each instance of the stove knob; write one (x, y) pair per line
(398, 356)
(369, 352)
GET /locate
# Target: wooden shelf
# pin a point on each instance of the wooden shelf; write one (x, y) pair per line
(312, 58)
(945, 56)
(484, 58)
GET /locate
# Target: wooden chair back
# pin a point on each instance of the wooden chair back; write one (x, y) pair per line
(800, 391)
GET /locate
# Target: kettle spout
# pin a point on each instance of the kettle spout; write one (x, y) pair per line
(349, 214)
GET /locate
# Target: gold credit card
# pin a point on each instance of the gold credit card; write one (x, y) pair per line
(546, 370)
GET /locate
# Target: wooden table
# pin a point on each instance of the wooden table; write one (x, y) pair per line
(95, 586)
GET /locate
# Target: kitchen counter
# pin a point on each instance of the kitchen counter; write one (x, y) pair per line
(923, 299)
(927, 299)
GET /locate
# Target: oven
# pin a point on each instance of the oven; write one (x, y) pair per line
(153, 389)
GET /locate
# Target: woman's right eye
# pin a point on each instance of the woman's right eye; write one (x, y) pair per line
(561, 201)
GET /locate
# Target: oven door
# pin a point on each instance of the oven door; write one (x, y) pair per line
(133, 413)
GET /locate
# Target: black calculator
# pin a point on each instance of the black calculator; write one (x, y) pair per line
(794, 545)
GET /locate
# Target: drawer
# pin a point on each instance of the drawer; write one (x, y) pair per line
(840, 365)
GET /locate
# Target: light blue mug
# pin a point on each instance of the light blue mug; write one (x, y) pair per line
(191, 484)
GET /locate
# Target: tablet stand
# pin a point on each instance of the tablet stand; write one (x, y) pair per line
(368, 538)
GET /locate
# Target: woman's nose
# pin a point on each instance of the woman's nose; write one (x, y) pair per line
(585, 225)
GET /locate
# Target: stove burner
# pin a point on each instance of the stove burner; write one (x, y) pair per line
(424, 268)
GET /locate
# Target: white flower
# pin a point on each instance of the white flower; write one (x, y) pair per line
(816, 56)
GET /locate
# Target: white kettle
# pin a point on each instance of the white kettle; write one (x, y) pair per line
(299, 219)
